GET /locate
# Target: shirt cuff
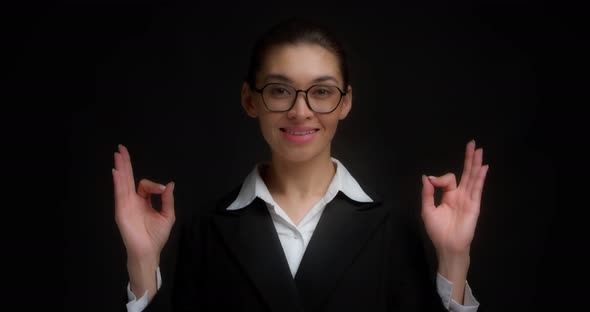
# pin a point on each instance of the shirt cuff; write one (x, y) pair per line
(445, 291)
(137, 305)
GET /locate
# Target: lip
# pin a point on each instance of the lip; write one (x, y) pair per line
(298, 128)
(298, 138)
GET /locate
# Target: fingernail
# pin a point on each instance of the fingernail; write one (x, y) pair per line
(162, 187)
(472, 141)
(431, 177)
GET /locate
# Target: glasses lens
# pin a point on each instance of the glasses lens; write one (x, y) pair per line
(278, 97)
(323, 99)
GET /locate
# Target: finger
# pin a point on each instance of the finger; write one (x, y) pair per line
(469, 152)
(475, 167)
(121, 179)
(147, 187)
(479, 183)
(119, 187)
(427, 195)
(127, 167)
(447, 182)
(168, 202)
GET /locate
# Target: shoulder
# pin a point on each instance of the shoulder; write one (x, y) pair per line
(386, 199)
(221, 203)
(202, 214)
(403, 214)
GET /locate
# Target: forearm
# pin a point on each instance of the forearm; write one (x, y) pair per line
(142, 276)
(454, 268)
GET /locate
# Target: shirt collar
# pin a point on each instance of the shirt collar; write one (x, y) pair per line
(254, 186)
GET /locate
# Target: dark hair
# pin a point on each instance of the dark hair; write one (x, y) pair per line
(293, 31)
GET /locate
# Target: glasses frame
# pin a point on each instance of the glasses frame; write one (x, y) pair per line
(261, 90)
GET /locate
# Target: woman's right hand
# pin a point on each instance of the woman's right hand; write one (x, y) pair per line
(144, 230)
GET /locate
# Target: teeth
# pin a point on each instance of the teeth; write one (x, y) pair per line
(300, 132)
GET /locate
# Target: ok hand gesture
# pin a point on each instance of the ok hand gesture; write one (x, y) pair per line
(451, 224)
(144, 230)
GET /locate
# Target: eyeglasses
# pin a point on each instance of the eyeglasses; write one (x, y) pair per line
(280, 97)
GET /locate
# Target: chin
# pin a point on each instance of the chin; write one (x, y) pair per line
(297, 157)
(298, 154)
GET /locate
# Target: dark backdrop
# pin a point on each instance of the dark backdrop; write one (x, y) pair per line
(164, 79)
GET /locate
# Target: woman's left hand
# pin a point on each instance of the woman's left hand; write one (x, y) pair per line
(451, 224)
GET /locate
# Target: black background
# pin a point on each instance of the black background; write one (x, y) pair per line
(164, 79)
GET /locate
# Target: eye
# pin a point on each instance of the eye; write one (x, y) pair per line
(279, 91)
(322, 91)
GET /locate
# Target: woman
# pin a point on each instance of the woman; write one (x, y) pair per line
(301, 234)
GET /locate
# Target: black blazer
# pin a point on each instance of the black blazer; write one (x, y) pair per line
(361, 257)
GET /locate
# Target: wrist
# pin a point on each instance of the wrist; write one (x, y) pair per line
(142, 276)
(143, 261)
(453, 267)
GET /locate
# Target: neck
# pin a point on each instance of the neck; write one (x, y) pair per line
(304, 179)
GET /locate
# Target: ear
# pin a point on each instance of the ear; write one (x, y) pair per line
(346, 104)
(247, 103)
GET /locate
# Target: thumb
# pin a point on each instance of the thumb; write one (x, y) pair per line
(168, 202)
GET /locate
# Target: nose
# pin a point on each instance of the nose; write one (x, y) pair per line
(300, 109)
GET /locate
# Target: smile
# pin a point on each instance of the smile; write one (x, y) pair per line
(299, 135)
(293, 132)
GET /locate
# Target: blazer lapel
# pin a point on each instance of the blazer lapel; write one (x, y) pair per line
(343, 229)
(250, 235)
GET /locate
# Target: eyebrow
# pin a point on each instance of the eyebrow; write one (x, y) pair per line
(283, 78)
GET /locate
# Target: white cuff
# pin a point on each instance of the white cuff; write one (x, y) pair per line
(445, 291)
(137, 305)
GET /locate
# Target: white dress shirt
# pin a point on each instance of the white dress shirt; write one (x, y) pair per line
(295, 238)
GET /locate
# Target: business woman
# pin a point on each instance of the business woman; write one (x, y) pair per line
(300, 234)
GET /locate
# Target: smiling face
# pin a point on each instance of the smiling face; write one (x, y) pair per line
(298, 134)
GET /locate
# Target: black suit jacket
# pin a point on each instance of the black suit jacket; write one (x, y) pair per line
(361, 257)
